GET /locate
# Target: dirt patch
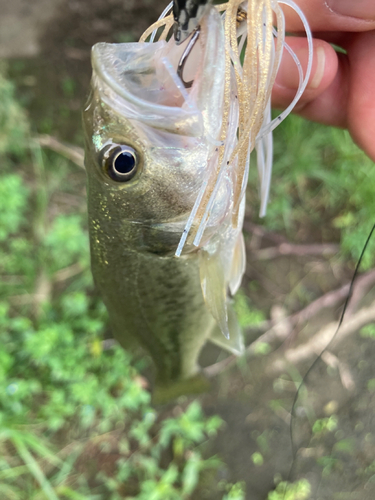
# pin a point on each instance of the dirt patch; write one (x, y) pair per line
(21, 22)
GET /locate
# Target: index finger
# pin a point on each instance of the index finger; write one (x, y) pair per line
(331, 15)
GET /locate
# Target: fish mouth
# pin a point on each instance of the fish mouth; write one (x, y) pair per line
(139, 82)
(159, 238)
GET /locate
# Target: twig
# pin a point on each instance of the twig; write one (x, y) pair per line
(252, 228)
(291, 249)
(283, 246)
(314, 346)
(42, 284)
(73, 153)
(67, 272)
(22, 299)
(330, 299)
(42, 293)
(344, 371)
(363, 284)
(213, 370)
(279, 331)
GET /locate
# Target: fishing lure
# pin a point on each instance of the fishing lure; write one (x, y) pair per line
(187, 15)
(169, 128)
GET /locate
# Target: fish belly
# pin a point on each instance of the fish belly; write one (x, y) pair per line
(157, 302)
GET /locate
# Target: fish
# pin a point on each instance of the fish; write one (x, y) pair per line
(167, 143)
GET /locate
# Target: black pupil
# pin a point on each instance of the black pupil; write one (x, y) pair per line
(124, 163)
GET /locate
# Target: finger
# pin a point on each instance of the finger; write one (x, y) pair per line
(361, 102)
(324, 72)
(332, 15)
(330, 107)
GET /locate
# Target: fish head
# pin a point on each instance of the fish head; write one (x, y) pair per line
(148, 141)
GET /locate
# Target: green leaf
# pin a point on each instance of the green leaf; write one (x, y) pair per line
(13, 200)
(257, 459)
(190, 474)
(34, 468)
(8, 492)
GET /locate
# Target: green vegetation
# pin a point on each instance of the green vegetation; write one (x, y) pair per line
(368, 331)
(247, 316)
(323, 425)
(299, 490)
(323, 183)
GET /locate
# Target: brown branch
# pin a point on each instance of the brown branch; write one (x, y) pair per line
(280, 330)
(330, 299)
(42, 293)
(344, 370)
(214, 370)
(22, 299)
(74, 153)
(67, 272)
(320, 341)
(252, 228)
(291, 249)
(362, 286)
(283, 246)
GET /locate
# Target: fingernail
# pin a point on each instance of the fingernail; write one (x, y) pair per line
(288, 75)
(320, 61)
(362, 9)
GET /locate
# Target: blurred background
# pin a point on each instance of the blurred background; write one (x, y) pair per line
(76, 420)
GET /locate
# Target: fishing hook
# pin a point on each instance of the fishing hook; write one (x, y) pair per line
(185, 55)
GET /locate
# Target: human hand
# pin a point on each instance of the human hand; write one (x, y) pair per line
(341, 89)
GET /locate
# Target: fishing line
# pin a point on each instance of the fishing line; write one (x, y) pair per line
(166, 11)
(350, 292)
(302, 87)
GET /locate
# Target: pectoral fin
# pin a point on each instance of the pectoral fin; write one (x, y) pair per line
(238, 264)
(214, 287)
(235, 343)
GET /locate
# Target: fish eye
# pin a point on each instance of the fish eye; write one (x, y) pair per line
(120, 163)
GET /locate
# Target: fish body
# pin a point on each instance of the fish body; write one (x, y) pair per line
(149, 148)
(169, 127)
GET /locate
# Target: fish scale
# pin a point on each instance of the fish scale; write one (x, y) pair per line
(172, 321)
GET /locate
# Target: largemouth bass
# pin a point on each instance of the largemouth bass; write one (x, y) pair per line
(167, 156)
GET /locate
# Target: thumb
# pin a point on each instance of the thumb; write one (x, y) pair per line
(324, 73)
